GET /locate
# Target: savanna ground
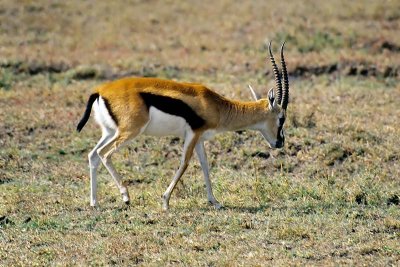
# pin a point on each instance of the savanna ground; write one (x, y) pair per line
(330, 197)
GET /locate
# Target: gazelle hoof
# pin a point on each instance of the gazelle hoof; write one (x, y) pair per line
(165, 202)
(216, 205)
(165, 207)
(95, 207)
(125, 198)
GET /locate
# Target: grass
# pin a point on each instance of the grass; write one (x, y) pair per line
(330, 197)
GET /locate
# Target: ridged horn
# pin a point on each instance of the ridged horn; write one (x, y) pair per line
(277, 76)
(285, 78)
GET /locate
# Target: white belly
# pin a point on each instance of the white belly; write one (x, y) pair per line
(162, 124)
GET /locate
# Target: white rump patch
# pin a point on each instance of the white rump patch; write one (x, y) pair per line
(102, 115)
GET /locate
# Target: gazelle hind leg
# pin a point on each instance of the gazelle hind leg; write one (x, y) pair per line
(191, 139)
(105, 152)
(94, 162)
(201, 154)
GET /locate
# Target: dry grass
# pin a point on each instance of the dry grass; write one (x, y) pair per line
(330, 197)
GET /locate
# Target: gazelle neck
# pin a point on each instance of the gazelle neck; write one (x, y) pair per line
(238, 115)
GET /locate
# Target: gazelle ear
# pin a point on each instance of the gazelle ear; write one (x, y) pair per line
(253, 93)
(271, 98)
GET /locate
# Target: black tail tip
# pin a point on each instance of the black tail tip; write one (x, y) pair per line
(79, 127)
(86, 115)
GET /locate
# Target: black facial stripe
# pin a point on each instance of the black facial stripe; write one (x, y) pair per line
(174, 107)
(281, 121)
(110, 111)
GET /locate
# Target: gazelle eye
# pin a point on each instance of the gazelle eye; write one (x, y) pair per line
(281, 133)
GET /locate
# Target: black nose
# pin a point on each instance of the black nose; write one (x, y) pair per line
(279, 144)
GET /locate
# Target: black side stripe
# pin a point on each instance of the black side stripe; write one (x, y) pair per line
(88, 110)
(110, 111)
(174, 107)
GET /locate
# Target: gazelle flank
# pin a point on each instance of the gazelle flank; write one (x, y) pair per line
(129, 107)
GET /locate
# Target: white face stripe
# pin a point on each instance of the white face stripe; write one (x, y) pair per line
(279, 123)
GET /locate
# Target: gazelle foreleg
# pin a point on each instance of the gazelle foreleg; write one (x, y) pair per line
(191, 139)
(201, 154)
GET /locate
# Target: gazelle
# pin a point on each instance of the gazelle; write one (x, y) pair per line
(129, 107)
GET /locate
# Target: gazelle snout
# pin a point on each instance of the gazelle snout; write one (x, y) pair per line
(279, 144)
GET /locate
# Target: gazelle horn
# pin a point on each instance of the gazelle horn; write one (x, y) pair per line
(285, 96)
(277, 76)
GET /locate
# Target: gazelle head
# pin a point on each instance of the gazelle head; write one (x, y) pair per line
(278, 99)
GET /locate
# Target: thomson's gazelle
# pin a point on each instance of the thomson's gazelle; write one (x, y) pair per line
(129, 107)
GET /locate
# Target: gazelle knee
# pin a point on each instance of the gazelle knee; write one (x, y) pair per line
(105, 158)
(94, 159)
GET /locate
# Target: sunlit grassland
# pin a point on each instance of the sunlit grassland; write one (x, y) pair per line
(330, 195)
